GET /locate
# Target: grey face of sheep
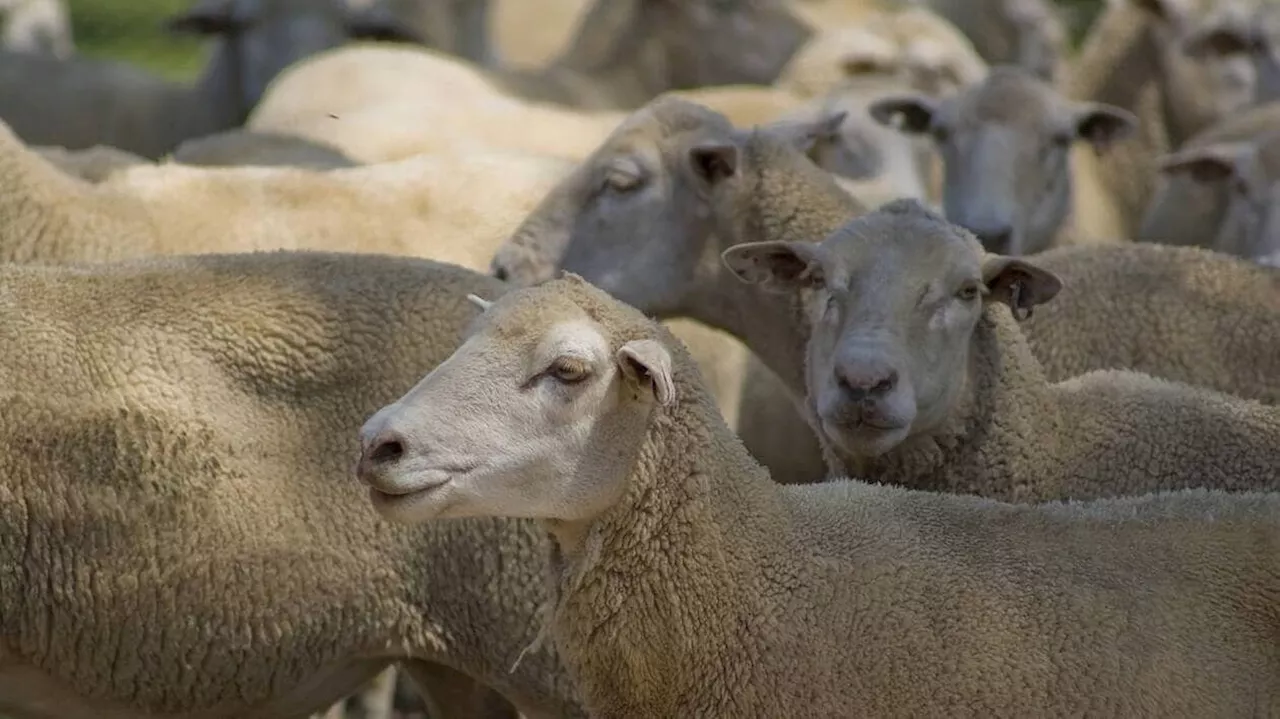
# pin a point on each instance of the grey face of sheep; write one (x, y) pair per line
(1250, 227)
(263, 37)
(634, 219)
(1005, 145)
(892, 298)
(540, 413)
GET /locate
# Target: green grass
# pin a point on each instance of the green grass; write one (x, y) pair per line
(132, 31)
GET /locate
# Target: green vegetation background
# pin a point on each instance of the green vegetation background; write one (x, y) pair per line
(132, 30)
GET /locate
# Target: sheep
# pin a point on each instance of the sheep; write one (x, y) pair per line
(758, 187)
(245, 147)
(93, 164)
(633, 186)
(458, 27)
(37, 26)
(938, 389)
(686, 583)
(1134, 57)
(624, 53)
(180, 539)
(1015, 175)
(1028, 33)
(1249, 174)
(913, 45)
(1184, 211)
(422, 206)
(390, 108)
(80, 102)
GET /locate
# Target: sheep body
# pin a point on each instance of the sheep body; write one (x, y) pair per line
(700, 587)
(186, 539)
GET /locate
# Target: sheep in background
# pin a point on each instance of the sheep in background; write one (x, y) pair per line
(1028, 33)
(93, 164)
(686, 583)
(1015, 173)
(1134, 57)
(939, 389)
(1185, 211)
(1248, 173)
(40, 27)
(763, 189)
(457, 27)
(80, 103)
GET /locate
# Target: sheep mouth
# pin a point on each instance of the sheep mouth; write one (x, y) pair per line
(425, 482)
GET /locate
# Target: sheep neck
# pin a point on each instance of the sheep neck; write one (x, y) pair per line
(646, 590)
(1004, 385)
(606, 65)
(788, 199)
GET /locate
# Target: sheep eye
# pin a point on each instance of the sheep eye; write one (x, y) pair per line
(621, 181)
(968, 293)
(569, 370)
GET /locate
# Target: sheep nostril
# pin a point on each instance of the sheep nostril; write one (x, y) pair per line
(501, 273)
(387, 451)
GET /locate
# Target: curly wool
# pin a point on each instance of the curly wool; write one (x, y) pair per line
(184, 535)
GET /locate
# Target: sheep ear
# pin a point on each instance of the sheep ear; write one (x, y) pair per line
(1208, 164)
(206, 17)
(714, 161)
(916, 112)
(777, 266)
(377, 22)
(808, 135)
(648, 362)
(1101, 125)
(1019, 283)
(480, 302)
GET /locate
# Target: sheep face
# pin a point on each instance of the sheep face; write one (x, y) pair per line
(1249, 173)
(1199, 88)
(892, 300)
(1241, 52)
(1005, 145)
(265, 36)
(539, 414)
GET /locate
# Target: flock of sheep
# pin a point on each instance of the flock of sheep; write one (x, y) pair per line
(743, 358)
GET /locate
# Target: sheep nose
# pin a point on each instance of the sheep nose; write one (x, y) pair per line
(378, 451)
(866, 380)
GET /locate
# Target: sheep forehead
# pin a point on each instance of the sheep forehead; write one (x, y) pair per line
(1011, 97)
(905, 233)
(530, 312)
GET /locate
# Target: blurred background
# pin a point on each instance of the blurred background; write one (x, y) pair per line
(131, 30)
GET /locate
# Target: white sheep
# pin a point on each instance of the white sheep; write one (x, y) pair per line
(687, 583)
(37, 26)
(82, 102)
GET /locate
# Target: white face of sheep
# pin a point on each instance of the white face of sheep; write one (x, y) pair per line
(1005, 145)
(1250, 174)
(892, 300)
(539, 414)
